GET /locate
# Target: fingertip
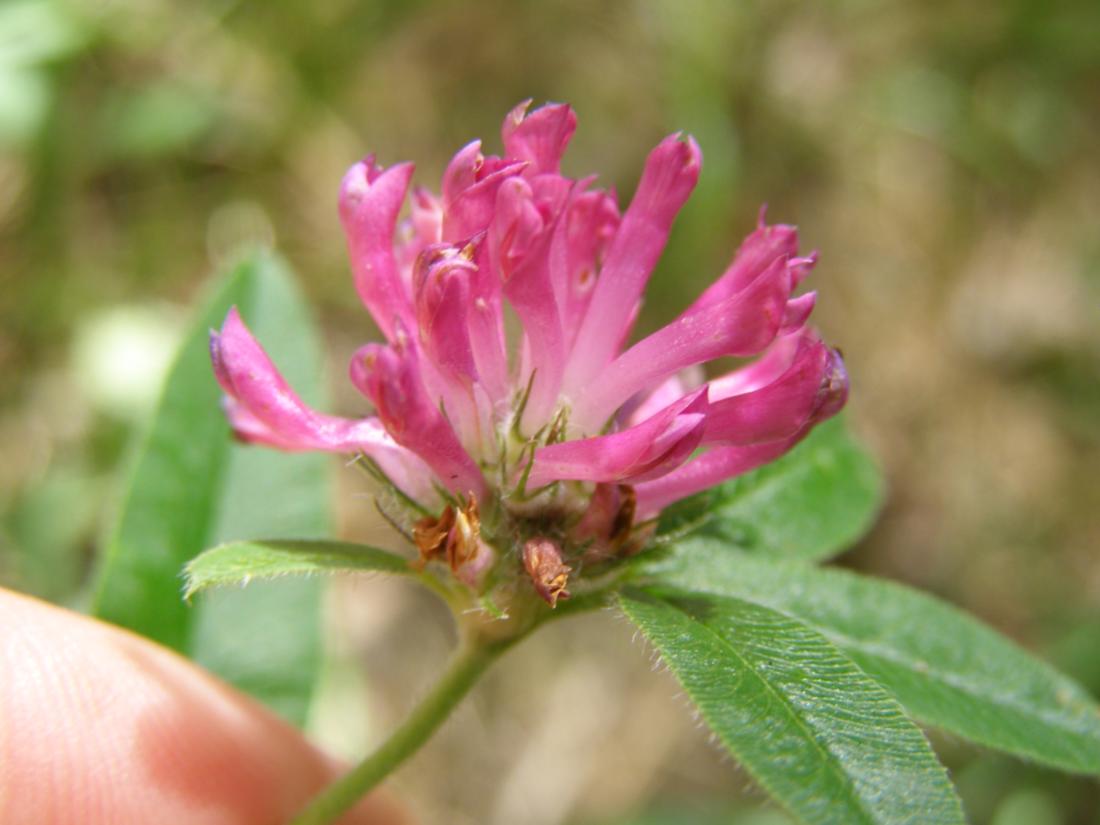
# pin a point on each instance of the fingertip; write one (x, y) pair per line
(100, 726)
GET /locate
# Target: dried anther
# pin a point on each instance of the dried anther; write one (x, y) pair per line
(550, 575)
(454, 537)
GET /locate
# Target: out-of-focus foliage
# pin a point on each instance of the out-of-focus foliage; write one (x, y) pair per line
(942, 156)
(191, 486)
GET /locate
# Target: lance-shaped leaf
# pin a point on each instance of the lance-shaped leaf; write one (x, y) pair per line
(192, 487)
(810, 504)
(243, 562)
(818, 734)
(945, 667)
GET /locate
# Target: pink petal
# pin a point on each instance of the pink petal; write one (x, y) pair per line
(579, 247)
(462, 171)
(551, 194)
(472, 211)
(427, 216)
(757, 252)
(671, 172)
(246, 374)
(470, 186)
(442, 288)
(421, 229)
(800, 267)
(262, 408)
(370, 199)
(444, 284)
(646, 450)
(521, 239)
(798, 309)
(721, 463)
(365, 435)
(486, 325)
(540, 138)
(391, 378)
(711, 468)
(779, 409)
(775, 361)
(672, 388)
(740, 325)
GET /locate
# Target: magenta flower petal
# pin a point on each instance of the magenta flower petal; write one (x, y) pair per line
(757, 252)
(246, 374)
(671, 389)
(486, 324)
(520, 241)
(370, 199)
(637, 453)
(450, 373)
(671, 172)
(742, 324)
(721, 463)
(391, 378)
(470, 186)
(782, 407)
(775, 361)
(540, 138)
(799, 309)
(423, 228)
(580, 244)
(462, 171)
(800, 267)
(711, 468)
(442, 286)
(262, 408)
(363, 435)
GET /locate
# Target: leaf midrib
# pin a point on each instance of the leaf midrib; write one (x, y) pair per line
(830, 758)
(951, 679)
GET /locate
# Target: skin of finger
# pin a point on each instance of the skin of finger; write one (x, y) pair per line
(100, 726)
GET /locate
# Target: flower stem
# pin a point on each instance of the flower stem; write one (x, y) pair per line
(467, 666)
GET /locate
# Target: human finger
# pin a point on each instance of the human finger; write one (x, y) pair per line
(102, 727)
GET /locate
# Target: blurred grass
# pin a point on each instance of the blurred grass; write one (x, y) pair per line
(942, 156)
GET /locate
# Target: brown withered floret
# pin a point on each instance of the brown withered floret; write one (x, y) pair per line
(454, 537)
(550, 575)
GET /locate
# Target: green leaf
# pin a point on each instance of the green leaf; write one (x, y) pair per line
(945, 667)
(193, 487)
(33, 32)
(810, 504)
(825, 740)
(242, 562)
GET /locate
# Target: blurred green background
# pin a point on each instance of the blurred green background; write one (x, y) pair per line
(943, 156)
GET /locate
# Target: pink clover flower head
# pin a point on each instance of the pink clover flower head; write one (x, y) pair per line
(561, 417)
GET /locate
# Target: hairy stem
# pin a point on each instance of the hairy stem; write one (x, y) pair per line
(467, 666)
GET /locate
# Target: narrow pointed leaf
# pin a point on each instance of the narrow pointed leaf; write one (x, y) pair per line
(192, 487)
(811, 504)
(945, 667)
(826, 741)
(243, 562)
